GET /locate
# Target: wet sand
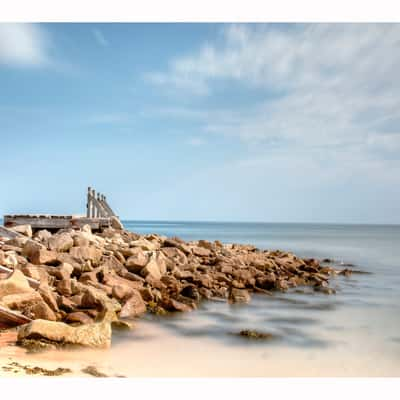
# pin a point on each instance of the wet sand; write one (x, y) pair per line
(153, 350)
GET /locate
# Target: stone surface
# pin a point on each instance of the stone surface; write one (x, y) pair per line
(96, 335)
(16, 283)
(134, 306)
(60, 242)
(23, 229)
(239, 296)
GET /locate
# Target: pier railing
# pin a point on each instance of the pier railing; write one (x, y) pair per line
(97, 206)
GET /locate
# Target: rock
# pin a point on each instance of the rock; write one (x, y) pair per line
(97, 335)
(135, 263)
(89, 253)
(95, 298)
(201, 251)
(178, 244)
(41, 310)
(60, 242)
(267, 281)
(63, 271)
(252, 334)
(122, 292)
(16, 283)
(206, 245)
(144, 245)
(65, 304)
(18, 241)
(81, 239)
(23, 229)
(42, 236)
(191, 292)
(20, 301)
(156, 266)
(324, 290)
(174, 305)
(239, 296)
(79, 317)
(116, 223)
(64, 287)
(37, 254)
(37, 272)
(134, 306)
(92, 370)
(10, 260)
(48, 296)
(121, 325)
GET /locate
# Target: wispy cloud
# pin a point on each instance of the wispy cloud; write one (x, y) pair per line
(23, 45)
(338, 84)
(98, 35)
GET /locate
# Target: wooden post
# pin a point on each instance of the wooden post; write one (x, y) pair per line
(93, 214)
(89, 203)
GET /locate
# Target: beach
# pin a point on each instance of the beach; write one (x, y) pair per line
(353, 332)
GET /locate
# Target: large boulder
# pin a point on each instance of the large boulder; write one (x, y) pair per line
(87, 253)
(96, 335)
(38, 254)
(19, 301)
(178, 243)
(42, 236)
(134, 306)
(116, 223)
(144, 244)
(23, 229)
(60, 242)
(16, 283)
(136, 262)
(96, 298)
(156, 267)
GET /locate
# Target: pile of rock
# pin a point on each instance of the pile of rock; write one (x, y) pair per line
(90, 280)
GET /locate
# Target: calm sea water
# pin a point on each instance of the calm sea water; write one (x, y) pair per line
(358, 329)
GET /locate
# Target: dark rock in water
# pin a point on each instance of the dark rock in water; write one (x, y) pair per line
(252, 334)
(327, 261)
(92, 370)
(324, 289)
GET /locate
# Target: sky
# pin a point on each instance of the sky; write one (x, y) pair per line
(208, 122)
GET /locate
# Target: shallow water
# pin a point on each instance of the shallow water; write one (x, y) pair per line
(353, 333)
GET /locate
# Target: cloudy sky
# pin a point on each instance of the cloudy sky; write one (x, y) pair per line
(294, 123)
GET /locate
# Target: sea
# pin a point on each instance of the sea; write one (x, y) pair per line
(355, 332)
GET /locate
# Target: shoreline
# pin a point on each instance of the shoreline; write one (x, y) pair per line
(75, 284)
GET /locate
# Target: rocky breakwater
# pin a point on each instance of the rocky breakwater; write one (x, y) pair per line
(87, 283)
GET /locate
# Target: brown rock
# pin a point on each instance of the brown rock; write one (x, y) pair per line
(239, 296)
(175, 242)
(201, 251)
(37, 272)
(134, 306)
(174, 305)
(38, 254)
(64, 287)
(92, 335)
(135, 263)
(23, 229)
(16, 283)
(60, 242)
(156, 266)
(65, 304)
(79, 317)
(82, 254)
(122, 292)
(42, 236)
(41, 310)
(21, 300)
(48, 296)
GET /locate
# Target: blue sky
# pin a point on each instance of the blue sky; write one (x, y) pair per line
(232, 122)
